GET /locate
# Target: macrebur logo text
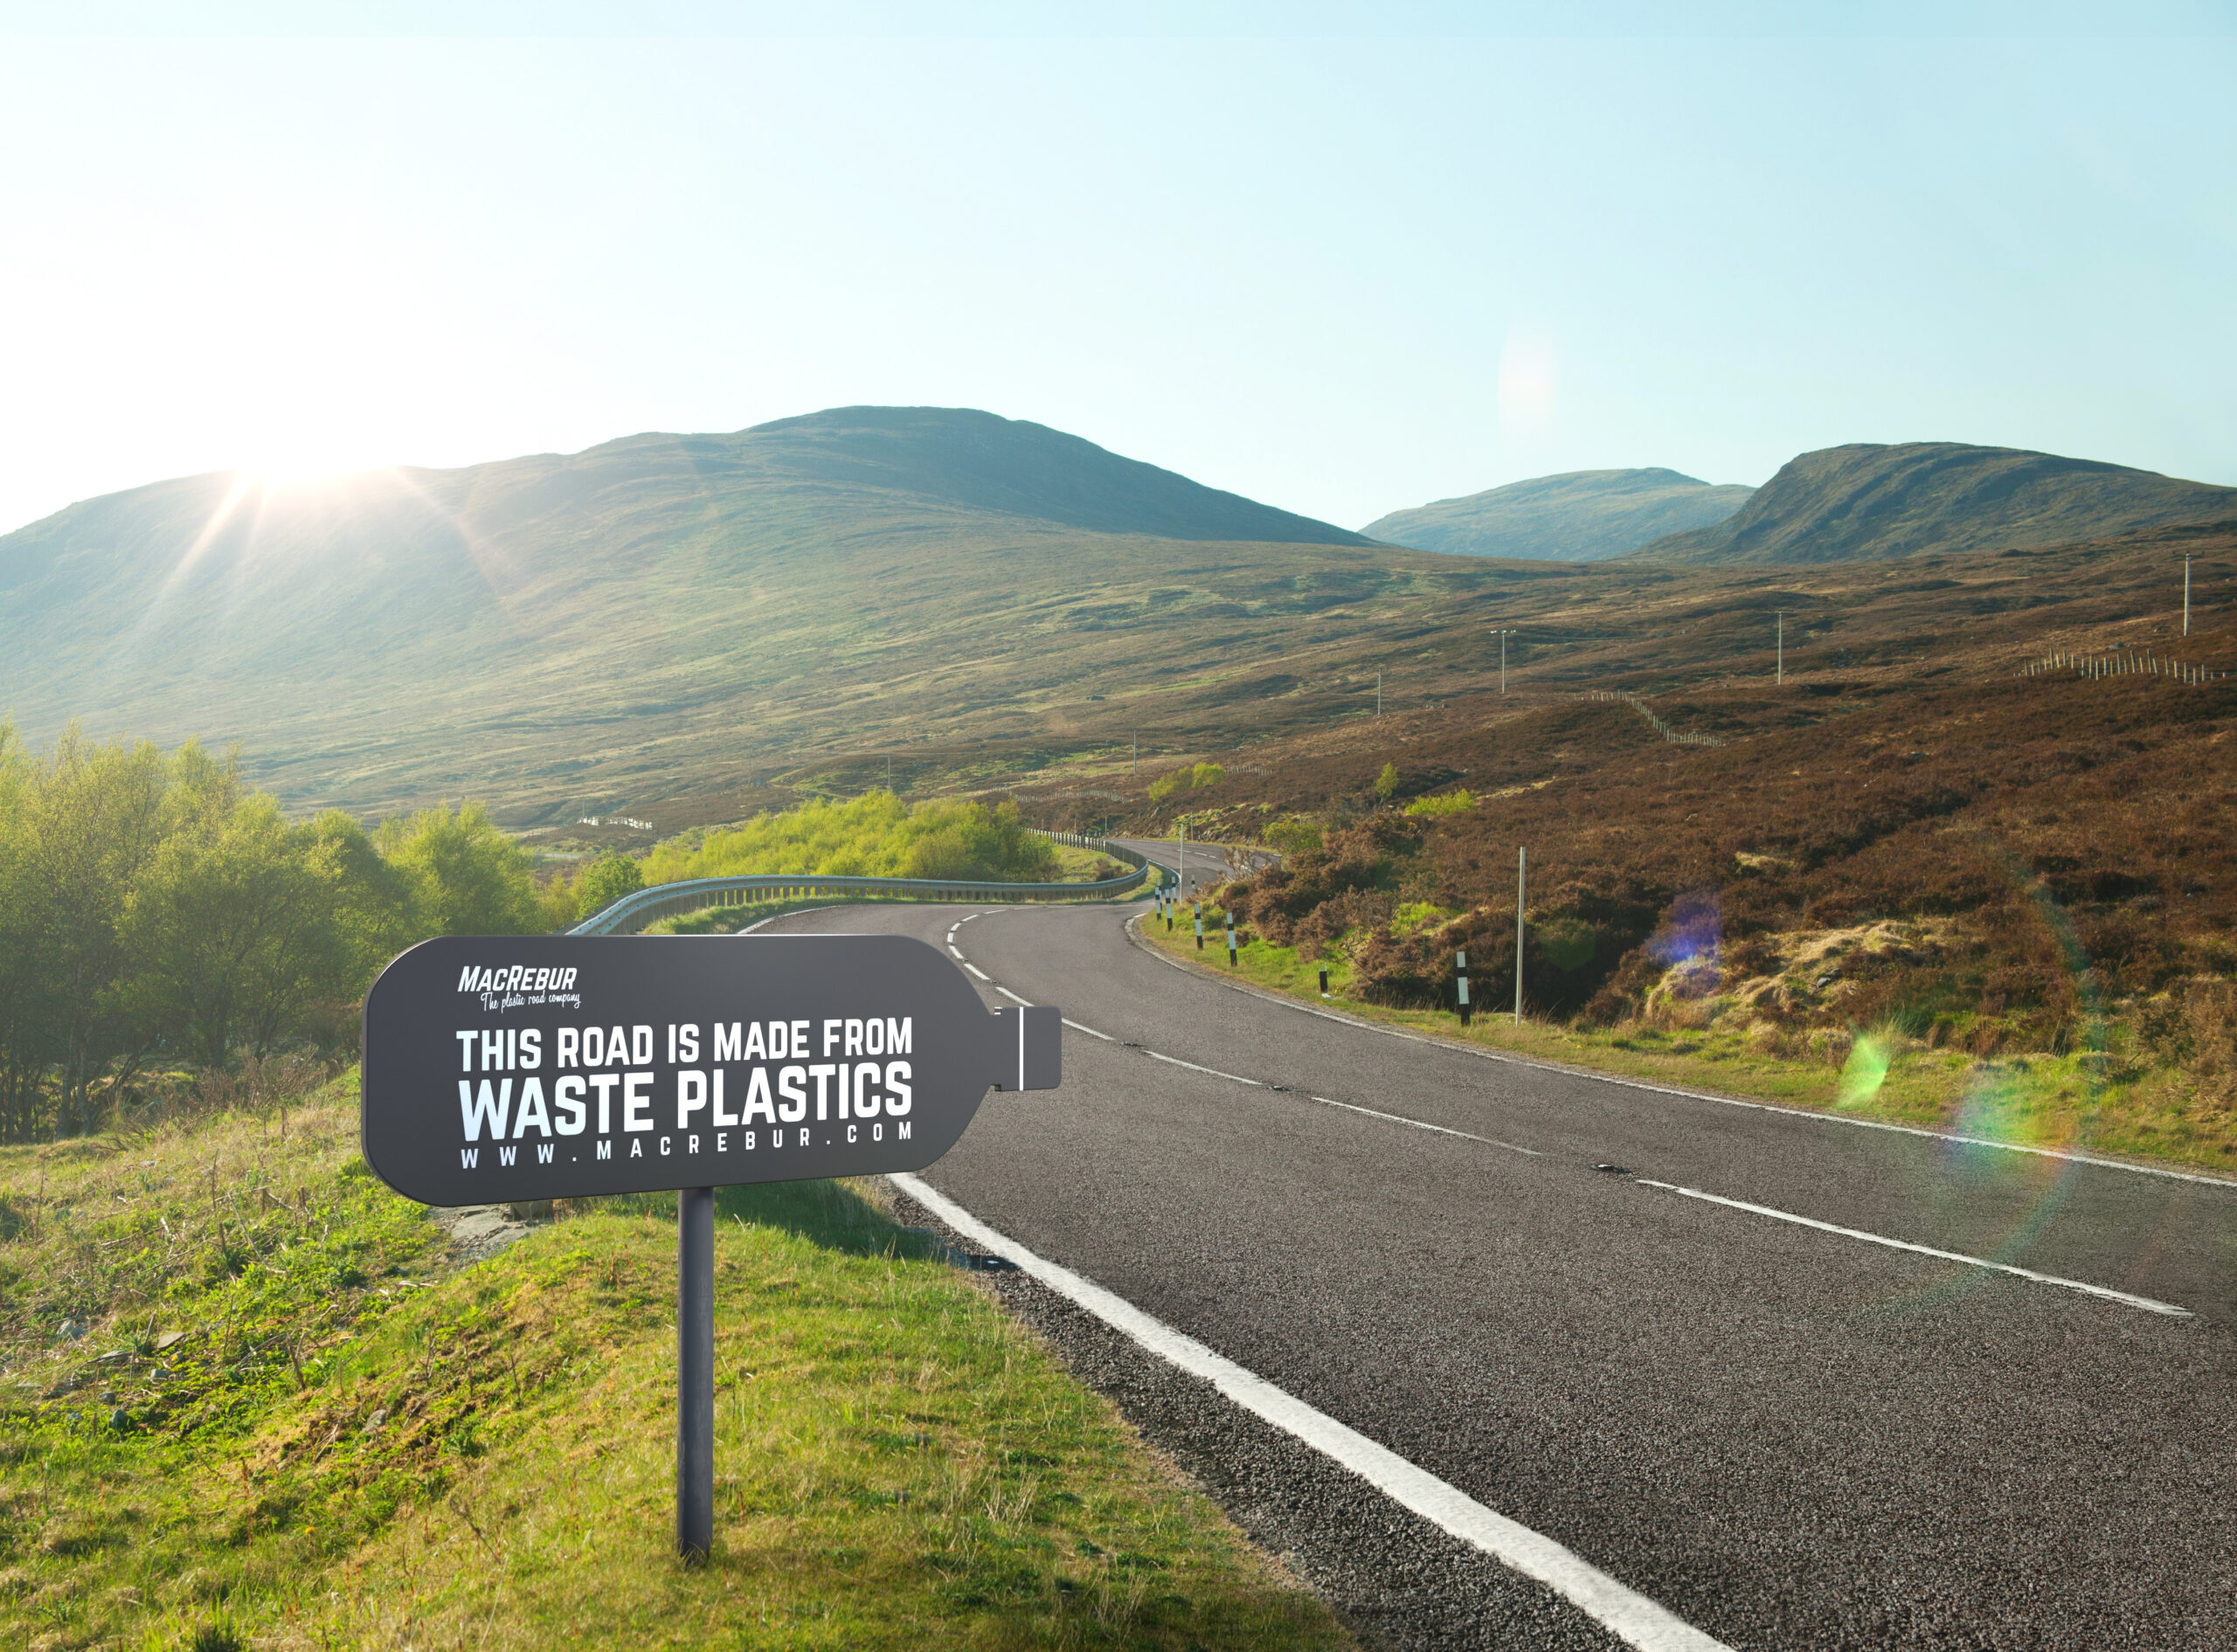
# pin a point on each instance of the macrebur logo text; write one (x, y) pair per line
(518, 978)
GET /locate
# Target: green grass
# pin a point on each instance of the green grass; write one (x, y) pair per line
(2113, 1102)
(330, 1437)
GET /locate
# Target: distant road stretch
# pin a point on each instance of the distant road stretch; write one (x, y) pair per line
(1785, 1379)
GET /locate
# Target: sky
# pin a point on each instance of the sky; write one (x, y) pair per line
(1343, 260)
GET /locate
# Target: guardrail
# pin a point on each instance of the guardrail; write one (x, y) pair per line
(634, 911)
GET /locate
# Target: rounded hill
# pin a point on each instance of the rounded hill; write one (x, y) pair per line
(1579, 515)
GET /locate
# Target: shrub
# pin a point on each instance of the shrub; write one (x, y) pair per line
(1192, 776)
(873, 836)
(1449, 803)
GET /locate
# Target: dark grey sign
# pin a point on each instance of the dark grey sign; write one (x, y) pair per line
(507, 1068)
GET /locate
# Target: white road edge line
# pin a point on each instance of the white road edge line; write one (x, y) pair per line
(1623, 1612)
(1011, 995)
(1501, 1056)
(976, 970)
(1090, 1031)
(1442, 1130)
(2147, 1303)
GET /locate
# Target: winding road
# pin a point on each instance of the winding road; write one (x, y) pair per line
(1766, 1378)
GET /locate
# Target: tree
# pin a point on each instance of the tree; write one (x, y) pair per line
(91, 819)
(375, 897)
(234, 925)
(1386, 784)
(605, 881)
(467, 877)
(31, 1013)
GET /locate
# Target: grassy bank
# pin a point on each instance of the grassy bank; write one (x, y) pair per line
(249, 1401)
(2114, 1102)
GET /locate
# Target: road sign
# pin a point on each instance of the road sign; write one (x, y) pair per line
(508, 1068)
(512, 1069)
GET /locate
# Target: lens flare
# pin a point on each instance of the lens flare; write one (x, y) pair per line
(1865, 1072)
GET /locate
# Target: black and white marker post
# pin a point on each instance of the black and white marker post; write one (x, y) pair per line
(584, 1065)
(1460, 982)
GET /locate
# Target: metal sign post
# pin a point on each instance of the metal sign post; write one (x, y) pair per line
(1521, 881)
(505, 1069)
(694, 1372)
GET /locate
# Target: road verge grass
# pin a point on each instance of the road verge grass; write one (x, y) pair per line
(249, 1402)
(2097, 1102)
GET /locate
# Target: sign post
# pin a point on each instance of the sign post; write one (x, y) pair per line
(694, 1372)
(501, 1069)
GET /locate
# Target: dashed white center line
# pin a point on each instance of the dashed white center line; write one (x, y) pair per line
(2147, 1303)
(1254, 1083)
(1416, 1124)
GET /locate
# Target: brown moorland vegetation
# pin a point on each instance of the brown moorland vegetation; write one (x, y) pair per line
(1912, 834)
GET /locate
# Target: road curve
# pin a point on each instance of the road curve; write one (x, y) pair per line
(1803, 1384)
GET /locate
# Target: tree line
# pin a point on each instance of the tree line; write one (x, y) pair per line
(155, 908)
(157, 911)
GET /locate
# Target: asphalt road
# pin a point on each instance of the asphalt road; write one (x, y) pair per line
(1790, 1436)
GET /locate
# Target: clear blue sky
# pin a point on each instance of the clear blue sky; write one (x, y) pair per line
(1342, 271)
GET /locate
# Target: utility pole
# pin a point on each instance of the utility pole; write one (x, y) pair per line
(2186, 596)
(1503, 636)
(1520, 884)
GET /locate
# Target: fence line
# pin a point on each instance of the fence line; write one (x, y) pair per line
(1675, 737)
(2125, 662)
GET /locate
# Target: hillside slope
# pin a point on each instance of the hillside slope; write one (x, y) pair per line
(583, 628)
(1580, 515)
(1867, 500)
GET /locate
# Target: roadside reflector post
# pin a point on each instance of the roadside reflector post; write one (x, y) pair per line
(1521, 869)
(1230, 940)
(1199, 925)
(1324, 980)
(694, 1372)
(481, 1054)
(1460, 982)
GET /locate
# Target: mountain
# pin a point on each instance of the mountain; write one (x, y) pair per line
(1867, 500)
(982, 462)
(1580, 515)
(602, 625)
